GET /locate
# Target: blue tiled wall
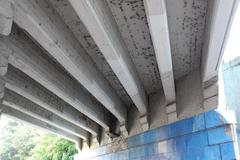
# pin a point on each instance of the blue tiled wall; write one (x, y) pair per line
(203, 137)
(231, 78)
(208, 136)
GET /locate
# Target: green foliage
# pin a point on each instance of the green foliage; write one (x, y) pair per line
(17, 141)
(21, 142)
(54, 148)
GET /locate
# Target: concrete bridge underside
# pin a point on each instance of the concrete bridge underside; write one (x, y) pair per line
(96, 70)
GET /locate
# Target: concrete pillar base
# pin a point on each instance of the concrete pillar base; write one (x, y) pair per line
(210, 95)
(79, 145)
(144, 122)
(123, 130)
(171, 111)
(95, 141)
(86, 144)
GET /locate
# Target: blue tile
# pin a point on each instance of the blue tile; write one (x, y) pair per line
(145, 138)
(219, 117)
(163, 132)
(150, 136)
(198, 123)
(187, 126)
(187, 139)
(181, 144)
(206, 153)
(198, 139)
(227, 151)
(136, 152)
(170, 156)
(166, 146)
(219, 135)
(181, 128)
(213, 119)
(149, 149)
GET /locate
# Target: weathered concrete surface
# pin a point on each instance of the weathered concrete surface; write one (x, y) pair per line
(18, 82)
(74, 23)
(186, 21)
(131, 19)
(22, 104)
(157, 21)
(189, 95)
(41, 21)
(87, 58)
(4, 54)
(30, 59)
(98, 19)
(220, 17)
(6, 17)
(21, 116)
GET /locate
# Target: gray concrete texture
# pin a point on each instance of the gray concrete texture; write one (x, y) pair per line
(100, 71)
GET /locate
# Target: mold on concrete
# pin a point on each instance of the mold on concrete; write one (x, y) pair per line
(65, 10)
(186, 21)
(132, 23)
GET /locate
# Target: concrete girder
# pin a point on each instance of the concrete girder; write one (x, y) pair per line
(22, 104)
(158, 24)
(47, 28)
(6, 17)
(20, 83)
(13, 113)
(28, 57)
(218, 24)
(97, 18)
(4, 54)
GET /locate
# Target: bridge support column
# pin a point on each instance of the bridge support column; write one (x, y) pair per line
(171, 111)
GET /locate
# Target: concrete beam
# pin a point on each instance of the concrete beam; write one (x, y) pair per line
(2, 88)
(22, 104)
(23, 85)
(20, 116)
(4, 54)
(47, 28)
(189, 95)
(30, 59)
(6, 17)
(219, 20)
(158, 24)
(100, 23)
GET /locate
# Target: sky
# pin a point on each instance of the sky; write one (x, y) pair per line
(232, 49)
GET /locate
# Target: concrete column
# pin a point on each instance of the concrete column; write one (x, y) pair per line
(144, 122)
(210, 94)
(123, 129)
(171, 111)
(6, 17)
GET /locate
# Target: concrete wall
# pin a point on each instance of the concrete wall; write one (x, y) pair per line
(209, 136)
